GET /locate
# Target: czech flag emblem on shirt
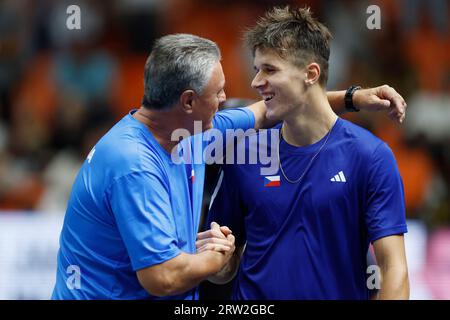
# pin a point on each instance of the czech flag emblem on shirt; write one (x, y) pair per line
(192, 175)
(272, 181)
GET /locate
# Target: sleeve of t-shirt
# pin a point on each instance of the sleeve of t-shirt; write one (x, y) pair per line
(226, 207)
(215, 140)
(385, 214)
(234, 118)
(140, 203)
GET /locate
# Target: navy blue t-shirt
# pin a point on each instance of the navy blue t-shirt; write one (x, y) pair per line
(309, 240)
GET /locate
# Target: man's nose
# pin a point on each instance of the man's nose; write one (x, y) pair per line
(258, 81)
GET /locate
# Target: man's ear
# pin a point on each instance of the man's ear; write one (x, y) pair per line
(312, 73)
(187, 100)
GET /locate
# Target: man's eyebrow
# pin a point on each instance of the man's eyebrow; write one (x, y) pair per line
(265, 65)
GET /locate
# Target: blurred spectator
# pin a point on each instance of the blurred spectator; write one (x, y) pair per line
(346, 46)
(58, 177)
(92, 24)
(20, 184)
(225, 25)
(62, 97)
(83, 74)
(433, 108)
(425, 108)
(140, 20)
(24, 158)
(3, 136)
(439, 197)
(416, 174)
(415, 11)
(13, 32)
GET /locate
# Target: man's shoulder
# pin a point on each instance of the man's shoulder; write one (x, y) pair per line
(126, 148)
(230, 112)
(360, 140)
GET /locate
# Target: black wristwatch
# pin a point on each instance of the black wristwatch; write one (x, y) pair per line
(349, 99)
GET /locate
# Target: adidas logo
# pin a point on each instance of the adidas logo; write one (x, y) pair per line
(339, 177)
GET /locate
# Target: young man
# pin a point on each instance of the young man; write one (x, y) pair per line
(307, 228)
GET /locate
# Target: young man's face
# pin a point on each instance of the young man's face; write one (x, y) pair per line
(280, 83)
(213, 95)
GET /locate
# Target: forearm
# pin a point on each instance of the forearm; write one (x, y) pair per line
(181, 273)
(336, 100)
(197, 268)
(391, 258)
(372, 99)
(394, 283)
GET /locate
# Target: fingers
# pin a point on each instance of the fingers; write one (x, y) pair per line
(214, 247)
(214, 225)
(394, 115)
(231, 239)
(225, 242)
(381, 98)
(218, 238)
(215, 231)
(225, 230)
(397, 103)
(211, 233)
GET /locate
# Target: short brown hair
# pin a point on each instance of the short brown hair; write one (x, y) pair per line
(295, 35)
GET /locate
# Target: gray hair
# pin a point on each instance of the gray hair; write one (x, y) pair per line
(177, 62)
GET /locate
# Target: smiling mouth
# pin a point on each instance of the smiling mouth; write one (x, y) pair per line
(268, 97)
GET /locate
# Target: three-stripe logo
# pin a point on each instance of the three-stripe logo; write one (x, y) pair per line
(339, 177)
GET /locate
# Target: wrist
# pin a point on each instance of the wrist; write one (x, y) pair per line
(217, 261)
(349, 100)
(227, 273)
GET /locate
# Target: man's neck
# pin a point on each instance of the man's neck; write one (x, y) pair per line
(311, 123)
(161, 124)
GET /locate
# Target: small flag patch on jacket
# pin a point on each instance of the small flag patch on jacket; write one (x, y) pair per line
(272, 181)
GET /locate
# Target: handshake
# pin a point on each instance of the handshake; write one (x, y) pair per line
(219, 241)
(218, 238)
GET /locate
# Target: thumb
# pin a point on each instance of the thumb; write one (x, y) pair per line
(215, 225)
